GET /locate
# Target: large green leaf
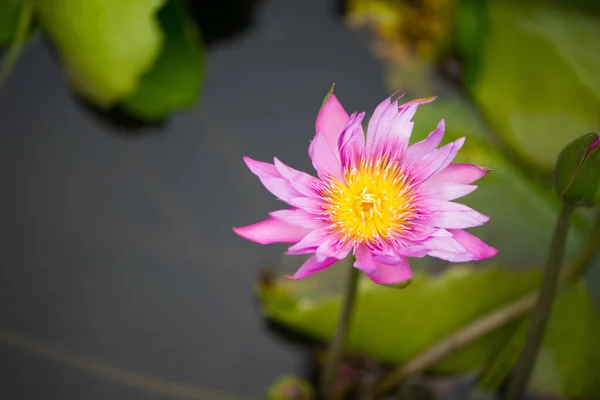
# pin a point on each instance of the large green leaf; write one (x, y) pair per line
(393, 325)
(105, 45)
(175, 79)
(538, 84)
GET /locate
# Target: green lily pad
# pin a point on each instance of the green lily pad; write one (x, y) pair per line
(394, 325)
(105, 45)
(175, 79)
(538, 83)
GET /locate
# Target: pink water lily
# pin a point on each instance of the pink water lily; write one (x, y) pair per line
(375, 196)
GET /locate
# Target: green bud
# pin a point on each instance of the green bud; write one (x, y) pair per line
(290, 388)
(577, 173)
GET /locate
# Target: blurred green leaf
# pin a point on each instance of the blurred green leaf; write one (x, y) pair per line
(538, 84)
(470, 26)
(9, 13)
(394, 325)
(105, 45)
(567, 363)
(175, 79)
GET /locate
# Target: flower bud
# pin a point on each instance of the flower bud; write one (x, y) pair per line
(577, 172)
(290, 388)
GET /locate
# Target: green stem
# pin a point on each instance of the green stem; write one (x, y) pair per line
(539, 318)
(328, 378)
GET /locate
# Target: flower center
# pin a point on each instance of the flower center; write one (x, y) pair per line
(373, 203)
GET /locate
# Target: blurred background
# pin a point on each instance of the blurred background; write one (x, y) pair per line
(122, 130)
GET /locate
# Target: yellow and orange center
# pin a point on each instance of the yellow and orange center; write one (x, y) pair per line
(373, 203)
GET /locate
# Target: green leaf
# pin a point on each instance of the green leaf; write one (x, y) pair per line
(105, 45)
(175, 79)
(538, 83)
(566, 366)
(9, 13)
(394, 325)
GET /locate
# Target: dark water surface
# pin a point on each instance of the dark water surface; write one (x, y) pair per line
(120, 249)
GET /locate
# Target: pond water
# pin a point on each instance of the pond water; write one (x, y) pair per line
(117, 250)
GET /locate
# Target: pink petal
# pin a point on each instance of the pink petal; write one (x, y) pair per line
(272, 180)
(365, 260)
(297, 217)
(331, 121)
(333, 248)
(261, 169)
(380, 120)
(389, 274)
(325, 158)
(392, 126)
(352, 140)
(434, 161)
(446, 191)
(448, 215)
(427, 145)
(310, 242)
(458, 173)
(445, 243)
(311, 266)
(301, 181)
(473, 244)
(308, 204)
(272, 230)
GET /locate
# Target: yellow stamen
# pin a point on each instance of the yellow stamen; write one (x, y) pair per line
(374, 202)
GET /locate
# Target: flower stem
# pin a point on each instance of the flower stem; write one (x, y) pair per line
(328, 377)
(539, 318)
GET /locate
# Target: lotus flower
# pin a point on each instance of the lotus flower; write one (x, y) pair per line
(375, 196)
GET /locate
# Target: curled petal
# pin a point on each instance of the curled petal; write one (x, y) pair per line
(475, 246)
(272, 230)
(325, 158)
(311, 266)
(389, 274)
(458, 173)
(331, 121)
(427, 145)
(352, 141)
(434, 161)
